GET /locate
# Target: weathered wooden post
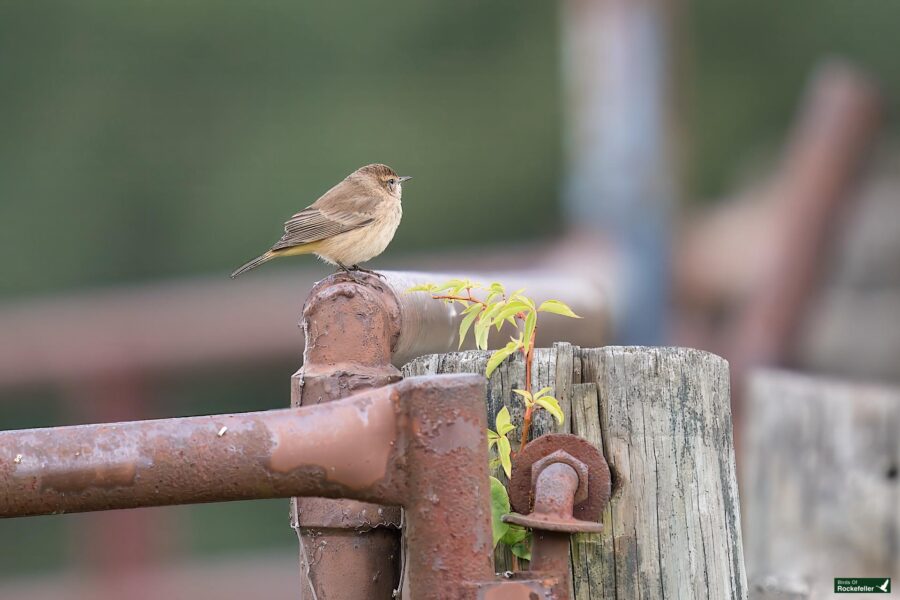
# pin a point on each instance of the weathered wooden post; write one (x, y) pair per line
(662, 417)
(820, 482)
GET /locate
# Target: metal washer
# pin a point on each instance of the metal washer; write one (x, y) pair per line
(599, 481)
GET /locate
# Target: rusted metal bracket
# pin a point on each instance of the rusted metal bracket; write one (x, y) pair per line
(539, 488)
(560, 485)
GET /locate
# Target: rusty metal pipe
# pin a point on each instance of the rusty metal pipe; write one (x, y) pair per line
(554, 496)
(350, 329)
(418, 443)
(349, 449)
(448, 520)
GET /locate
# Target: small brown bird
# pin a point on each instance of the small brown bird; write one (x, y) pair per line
(351, 223)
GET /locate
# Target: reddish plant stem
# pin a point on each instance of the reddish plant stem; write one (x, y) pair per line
(470, 298)
(529, 409)
(529, 359)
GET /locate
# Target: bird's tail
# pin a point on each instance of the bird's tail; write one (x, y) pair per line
(254, 263)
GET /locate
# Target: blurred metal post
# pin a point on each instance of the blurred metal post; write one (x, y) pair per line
(620, 178)
(112, 544)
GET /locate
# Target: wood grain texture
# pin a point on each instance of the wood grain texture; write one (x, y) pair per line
(821, 489)
(662, 418)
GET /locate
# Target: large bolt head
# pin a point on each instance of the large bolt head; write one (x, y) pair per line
(561, 456)
(590, 506)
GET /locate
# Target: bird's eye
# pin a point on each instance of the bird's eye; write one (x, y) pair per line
(392, 181)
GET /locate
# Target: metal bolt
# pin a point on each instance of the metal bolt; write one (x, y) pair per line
(561, 456)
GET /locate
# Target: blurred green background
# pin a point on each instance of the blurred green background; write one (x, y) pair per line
(145, 140)
(149, 139)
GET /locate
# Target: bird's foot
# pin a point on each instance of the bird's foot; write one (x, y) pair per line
(369, 271)
(351, 273)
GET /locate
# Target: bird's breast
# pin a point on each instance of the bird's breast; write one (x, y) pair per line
(365, 243)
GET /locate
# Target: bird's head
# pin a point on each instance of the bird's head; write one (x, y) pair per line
(383, 177)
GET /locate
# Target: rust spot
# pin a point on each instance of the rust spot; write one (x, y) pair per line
(77, 480)
(454, 435)
(354, 450)
(511, 590)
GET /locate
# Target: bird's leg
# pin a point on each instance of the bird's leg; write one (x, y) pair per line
(349, 271)
(369, 271)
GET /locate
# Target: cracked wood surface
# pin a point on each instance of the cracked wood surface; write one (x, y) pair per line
(663, 420)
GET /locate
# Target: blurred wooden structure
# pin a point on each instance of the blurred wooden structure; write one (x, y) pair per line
(820, 484)
(662, 417)
(747, 275)
(853, 327)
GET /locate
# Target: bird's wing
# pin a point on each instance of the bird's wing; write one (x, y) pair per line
(313, 224)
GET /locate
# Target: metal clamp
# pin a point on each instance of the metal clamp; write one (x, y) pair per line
(560, 482)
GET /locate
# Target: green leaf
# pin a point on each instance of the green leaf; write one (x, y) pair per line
(558, 308)
(497, 287)
(510, 309)
(503, 422)
(490, 311)
(505, 452)
(422, 287)
(492, 437)
(542, 391)
(499, 356)
(551, 405)
(530, 325)
(499, 507)
(482, 329)
(466, 323)
(460, 284)
(526, 395)
(522, 549)
(519, 297)
(516, 534)
(441, 287)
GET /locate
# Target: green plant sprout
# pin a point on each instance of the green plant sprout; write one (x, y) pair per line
(495, 310)
(498, 309)
(498, 440)
(514, 536)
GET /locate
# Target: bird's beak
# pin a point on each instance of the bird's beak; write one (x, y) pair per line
(404, 178)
